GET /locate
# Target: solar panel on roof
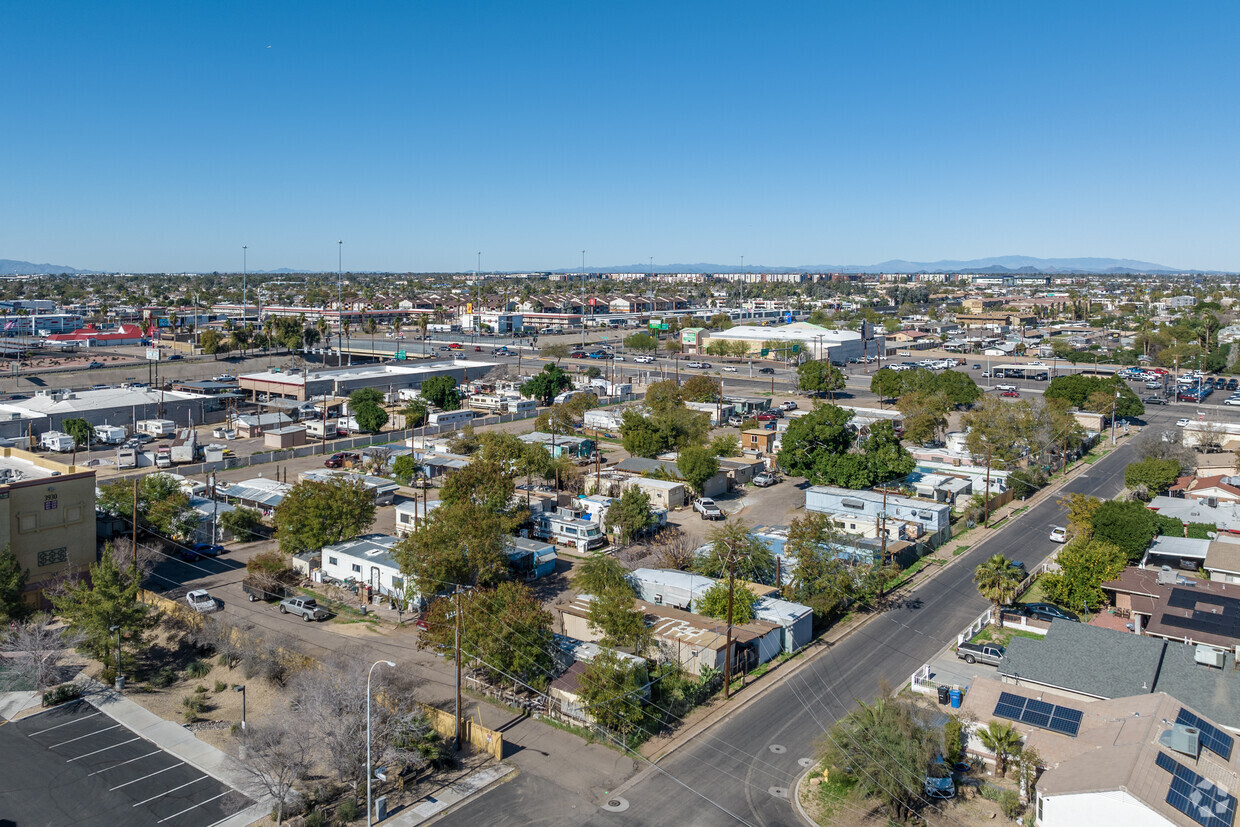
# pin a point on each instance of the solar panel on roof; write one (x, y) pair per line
(1197, 797)
(1061, 719)
(1212, 738)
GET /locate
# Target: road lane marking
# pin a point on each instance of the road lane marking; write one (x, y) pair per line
(143, 778)
(105, 749)
(123, 763)
(66, 723)
(174, 789)
(196, 806)
(87, 735)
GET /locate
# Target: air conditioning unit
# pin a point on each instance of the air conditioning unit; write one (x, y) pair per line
(1208, 656)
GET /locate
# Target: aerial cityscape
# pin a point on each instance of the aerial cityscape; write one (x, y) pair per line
(580, 415)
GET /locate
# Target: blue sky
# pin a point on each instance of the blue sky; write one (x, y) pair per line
(163, 136)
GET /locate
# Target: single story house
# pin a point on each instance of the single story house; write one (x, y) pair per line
(252, 425)
(759, 440)
(367, 559)
(932, 520)
(1210, 490)
(666, 469)
(384, 490)
(1223, 562)
(1167, 605)
(530, 559)
(287, 437)
(560, 445)
(410, 513)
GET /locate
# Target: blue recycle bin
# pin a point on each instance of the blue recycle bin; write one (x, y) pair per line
(957, 697)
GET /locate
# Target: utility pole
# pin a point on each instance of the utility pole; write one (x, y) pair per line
(986, 493)
(457, 616)
(135, 527)
(727, 653)
(1113, 404)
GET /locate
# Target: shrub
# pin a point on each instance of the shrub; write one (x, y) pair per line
(198, 669)
(164, 678)
(1009, 802)
(315, 819)
(108, 676)
(220, 686)
(346, 812)
(952, 740)
(200, 689)
(61, 694)
(194, 705)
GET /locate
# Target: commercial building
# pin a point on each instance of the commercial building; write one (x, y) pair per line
(821, 343)
(343, 381)
(47, 515)
(125, 405)
(89, 336)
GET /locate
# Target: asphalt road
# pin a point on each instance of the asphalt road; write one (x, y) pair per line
(75, 765)
(744, 768)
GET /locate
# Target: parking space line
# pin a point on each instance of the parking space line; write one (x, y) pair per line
(66, 723)
(105, 749)
(199, 804)
(80, 737)
(174, 789)
(123, 763)
(143, 778)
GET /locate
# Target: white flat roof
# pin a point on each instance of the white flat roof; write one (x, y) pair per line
(15, 469)
(795, 332)
(104, 398)
(365, 372)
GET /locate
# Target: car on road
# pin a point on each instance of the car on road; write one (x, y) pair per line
(577, 354)
(1012, 394)
(976, 367)
(1059, 534)
(477, 348)
(707, 508)
(455, 346)
(1003, 386)
(617, 358)
(1182, 423)
(443, 347)
(224, 377)
(307, 607)
(94, 365)
(175, 357)
(1154, 400)
(1044, 611)
(765, 480)
(201, 601)
(1231, 401)
(766, 371)
(728, 369)
(644, 360)
(699, 365)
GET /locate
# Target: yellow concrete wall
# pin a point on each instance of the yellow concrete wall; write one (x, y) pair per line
(472, 733)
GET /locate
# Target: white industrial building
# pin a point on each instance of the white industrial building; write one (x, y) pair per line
(817, 342)
(388, 378)
(125, 405)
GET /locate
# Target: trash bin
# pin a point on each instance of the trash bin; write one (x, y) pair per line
(956, 696)
(944, 694)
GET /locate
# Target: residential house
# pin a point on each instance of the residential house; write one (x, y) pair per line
(665, 469)
(530, 559)
(1210, 490)
(411, 513)
(252, 425)
(384, 489)
(758, 440)
(1167, 605)
(571, 658)
(561, 445)
(928, 521)
(369, 560)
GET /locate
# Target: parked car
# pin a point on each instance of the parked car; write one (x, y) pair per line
(765, 479)
(307, 607)
(1182, 423)
(207, 549)
(769, 416)
(990, 653)
(1154, 400)
(1231, 401)
(766, 371)
(735, 421)
(201, 601)
(707, 508)
(1045, 611)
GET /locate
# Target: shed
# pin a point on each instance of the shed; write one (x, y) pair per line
(286, 437)
(531, 559)
(666, 494)
(795, 621)
(758, 439)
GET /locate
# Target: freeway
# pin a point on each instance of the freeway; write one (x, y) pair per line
(743, 769)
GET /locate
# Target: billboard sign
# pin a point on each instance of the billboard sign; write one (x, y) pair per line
(152, 354)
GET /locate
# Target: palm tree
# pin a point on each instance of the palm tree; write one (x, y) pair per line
(423, 323)
(1001, 739)
(997, 580)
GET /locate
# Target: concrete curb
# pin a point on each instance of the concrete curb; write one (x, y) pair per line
(461, 793)
(796, 797)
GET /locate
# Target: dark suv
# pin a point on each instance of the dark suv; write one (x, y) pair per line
(1045, 611)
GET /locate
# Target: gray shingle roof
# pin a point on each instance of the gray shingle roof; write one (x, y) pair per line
(1086, 659)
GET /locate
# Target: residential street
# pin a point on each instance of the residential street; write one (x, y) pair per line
(748, 763)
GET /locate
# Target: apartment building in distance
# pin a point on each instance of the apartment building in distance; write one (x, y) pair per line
(47, 515)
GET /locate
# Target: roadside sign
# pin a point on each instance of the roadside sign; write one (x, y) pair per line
(152, 354)
(400, 355)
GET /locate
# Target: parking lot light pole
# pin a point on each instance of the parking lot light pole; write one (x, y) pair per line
(241, 688)
(370, 768)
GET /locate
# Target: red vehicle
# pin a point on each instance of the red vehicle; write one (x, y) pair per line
(477, 349)
(1013, 394)
(769, 416)
(455, 345)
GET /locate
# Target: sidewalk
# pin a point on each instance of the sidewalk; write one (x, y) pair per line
(454, 793)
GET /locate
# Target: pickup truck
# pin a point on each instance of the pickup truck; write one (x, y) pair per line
(990, 653)
(304, 606)
(707, 508)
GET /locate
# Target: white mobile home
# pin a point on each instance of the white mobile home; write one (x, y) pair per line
(453, 419)
(367, 560)
(56, 441)
(157, 427)
(566, 526)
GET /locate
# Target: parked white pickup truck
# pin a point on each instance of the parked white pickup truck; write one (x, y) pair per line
(707, 508)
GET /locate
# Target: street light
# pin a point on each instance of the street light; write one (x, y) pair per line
(339, 302)
(370, 769)
(241, 688)
(244, 283)
(120, 680)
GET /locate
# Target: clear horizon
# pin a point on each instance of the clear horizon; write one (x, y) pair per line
(161, 138)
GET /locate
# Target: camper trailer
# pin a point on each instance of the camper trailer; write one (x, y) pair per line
(126, 458)
(56, 441)
(567, 526)
(185, 446)
(157, 427)
(450, 418)
(110, 434)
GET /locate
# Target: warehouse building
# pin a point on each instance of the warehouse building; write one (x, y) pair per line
(124, 405)
(277, 384)
(815, 341)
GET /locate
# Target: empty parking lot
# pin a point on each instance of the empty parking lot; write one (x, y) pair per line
(75, 765)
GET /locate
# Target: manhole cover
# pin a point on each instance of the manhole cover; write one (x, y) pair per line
(616, 804)
(806, 762)
(778, 792)
(778, 749)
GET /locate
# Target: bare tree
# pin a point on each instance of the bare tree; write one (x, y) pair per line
(121, 550)
(278, 757)
(379, 457)
(331, 702)
(676, 550)
(228, 641)
(34, 651)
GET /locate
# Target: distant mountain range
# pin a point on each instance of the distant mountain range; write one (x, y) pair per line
(996, 264)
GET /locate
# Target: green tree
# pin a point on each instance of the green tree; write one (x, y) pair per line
(458, 544)
(316, 514)
(996, 434)
(820, 580)
(701, 389)
(83, 434)
(733, 550)
(697, 465)
(403, 468)
(415, 413)
(641, 341)
(163, 507)
(441, 392)
(211, 342)
(554, 351)
(663, 396)
(725, 445)
(1129, 525)
(1078, 390)
(819, 446)
(714, 603)
(1083, 567)
(484, 483)
(366, 406)
(820, 377)
(1081, 508)
(613, 613)
(886, 384)
(630, 514)
(13, 579)
(669, 430)
(612, 689)
(505, 632)
(885, 747)
(547, 384)
(1003, 740)
(242, 522)
(107, 597)
(925, 416)
(1154, 476)
(997, 580)
(719, 321)
(601, 572)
